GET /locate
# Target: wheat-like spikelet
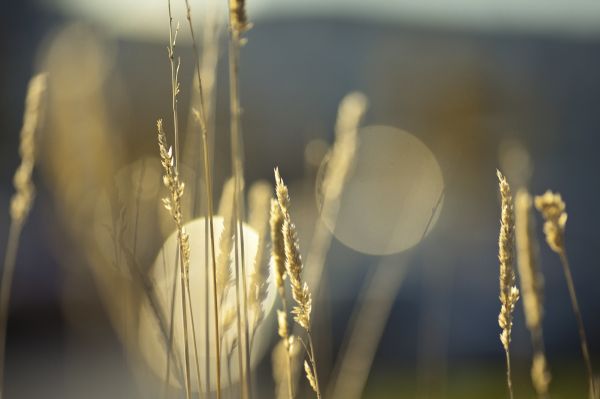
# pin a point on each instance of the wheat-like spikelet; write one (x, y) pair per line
(22, 200)
(532, 287)
(310, 376)
(170, 177)
(238, 18)
(172, 203)
(509, 293)
(277, 246)
(293, 266)
(553, 210)
(278, 261)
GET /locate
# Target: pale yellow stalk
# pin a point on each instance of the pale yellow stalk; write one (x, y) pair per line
(238, 24)
(509, 293)
(552, 208)
(259, 199)
(21, 201)
(532, 287)
(172, 203)
(278, 260)
(201, 117)
(300, 290)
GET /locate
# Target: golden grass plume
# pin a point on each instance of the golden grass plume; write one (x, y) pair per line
(22, 199)
(532, 288)
(509, 293)
(300, 290)
(553, 210)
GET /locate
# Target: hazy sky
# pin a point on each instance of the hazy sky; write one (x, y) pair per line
(572, 17)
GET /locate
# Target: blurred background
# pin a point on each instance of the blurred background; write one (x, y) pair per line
(479, 85)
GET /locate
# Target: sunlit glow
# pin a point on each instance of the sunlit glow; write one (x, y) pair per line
(391, 192)
(150, 340)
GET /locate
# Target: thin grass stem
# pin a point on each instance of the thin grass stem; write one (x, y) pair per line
(201, 117)
(8, 270)
(237, 167)
(564, 260)
(509, 375)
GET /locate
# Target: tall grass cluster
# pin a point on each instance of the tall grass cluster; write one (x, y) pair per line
(221, 345)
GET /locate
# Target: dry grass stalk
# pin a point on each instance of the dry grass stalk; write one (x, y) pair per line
(300, 291)
(241, 290)
(365, 329)
(278, 260)
(225, 276)
(532, 288)
(259, 203)
(531, 279)
(552, 208)
(175, 187)
(201, 117)
(238, 19)
(21, 201)
(183, 238)
(310, 376)
(509, 293)
(367, 324)
(238, 24)
(172, 203)
(174, 79)
(350, 114)
(204, 82)
(277, 246)
(351, 111)
(280, 359)
(194, 341)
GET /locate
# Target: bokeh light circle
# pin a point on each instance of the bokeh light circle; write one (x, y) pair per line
(162, 272)
(390, 194)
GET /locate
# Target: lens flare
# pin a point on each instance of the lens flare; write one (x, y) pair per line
(390, 194)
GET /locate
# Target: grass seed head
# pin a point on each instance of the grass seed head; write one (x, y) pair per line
(509, 293)
(552, 208)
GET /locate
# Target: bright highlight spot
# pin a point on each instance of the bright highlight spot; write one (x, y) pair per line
(390, 194)
(150, 338)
